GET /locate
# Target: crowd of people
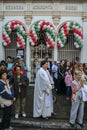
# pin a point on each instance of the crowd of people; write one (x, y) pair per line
(70, 79)
(13, 89)
(67, 78)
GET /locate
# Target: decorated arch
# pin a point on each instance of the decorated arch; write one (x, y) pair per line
(47, 27)
(21, 33)
(64, 31)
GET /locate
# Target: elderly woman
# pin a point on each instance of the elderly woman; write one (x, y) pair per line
(77, 101)
(6, 100)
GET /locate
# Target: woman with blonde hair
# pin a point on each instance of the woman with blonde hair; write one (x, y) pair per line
(79, 67)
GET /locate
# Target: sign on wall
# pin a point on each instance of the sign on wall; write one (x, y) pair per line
(20, 53)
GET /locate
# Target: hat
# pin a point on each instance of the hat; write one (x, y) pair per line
(2, 71)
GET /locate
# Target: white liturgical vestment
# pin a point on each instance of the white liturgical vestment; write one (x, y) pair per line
(43, 99)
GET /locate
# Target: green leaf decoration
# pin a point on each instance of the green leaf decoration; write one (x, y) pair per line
(71, 24)
(51, 33)
(7, 30)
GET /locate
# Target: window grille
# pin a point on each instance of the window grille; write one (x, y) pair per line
(11, 50)
(69, 52)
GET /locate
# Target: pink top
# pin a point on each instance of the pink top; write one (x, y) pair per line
(68, 79)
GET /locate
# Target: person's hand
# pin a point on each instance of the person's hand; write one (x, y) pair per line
(81, 82)
(52, 86)
(20, 84)
(47, 93)
(23, 83)
(14, 99)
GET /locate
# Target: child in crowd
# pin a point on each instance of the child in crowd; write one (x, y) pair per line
(68, 82)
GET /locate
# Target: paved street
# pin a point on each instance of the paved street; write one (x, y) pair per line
(58, 122)
(31, 129)
(61, 106)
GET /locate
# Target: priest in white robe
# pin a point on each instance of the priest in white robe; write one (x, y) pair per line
(43, 98)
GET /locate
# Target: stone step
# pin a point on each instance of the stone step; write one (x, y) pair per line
(50, 124)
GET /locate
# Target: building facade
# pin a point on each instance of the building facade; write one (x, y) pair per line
(35, 29)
